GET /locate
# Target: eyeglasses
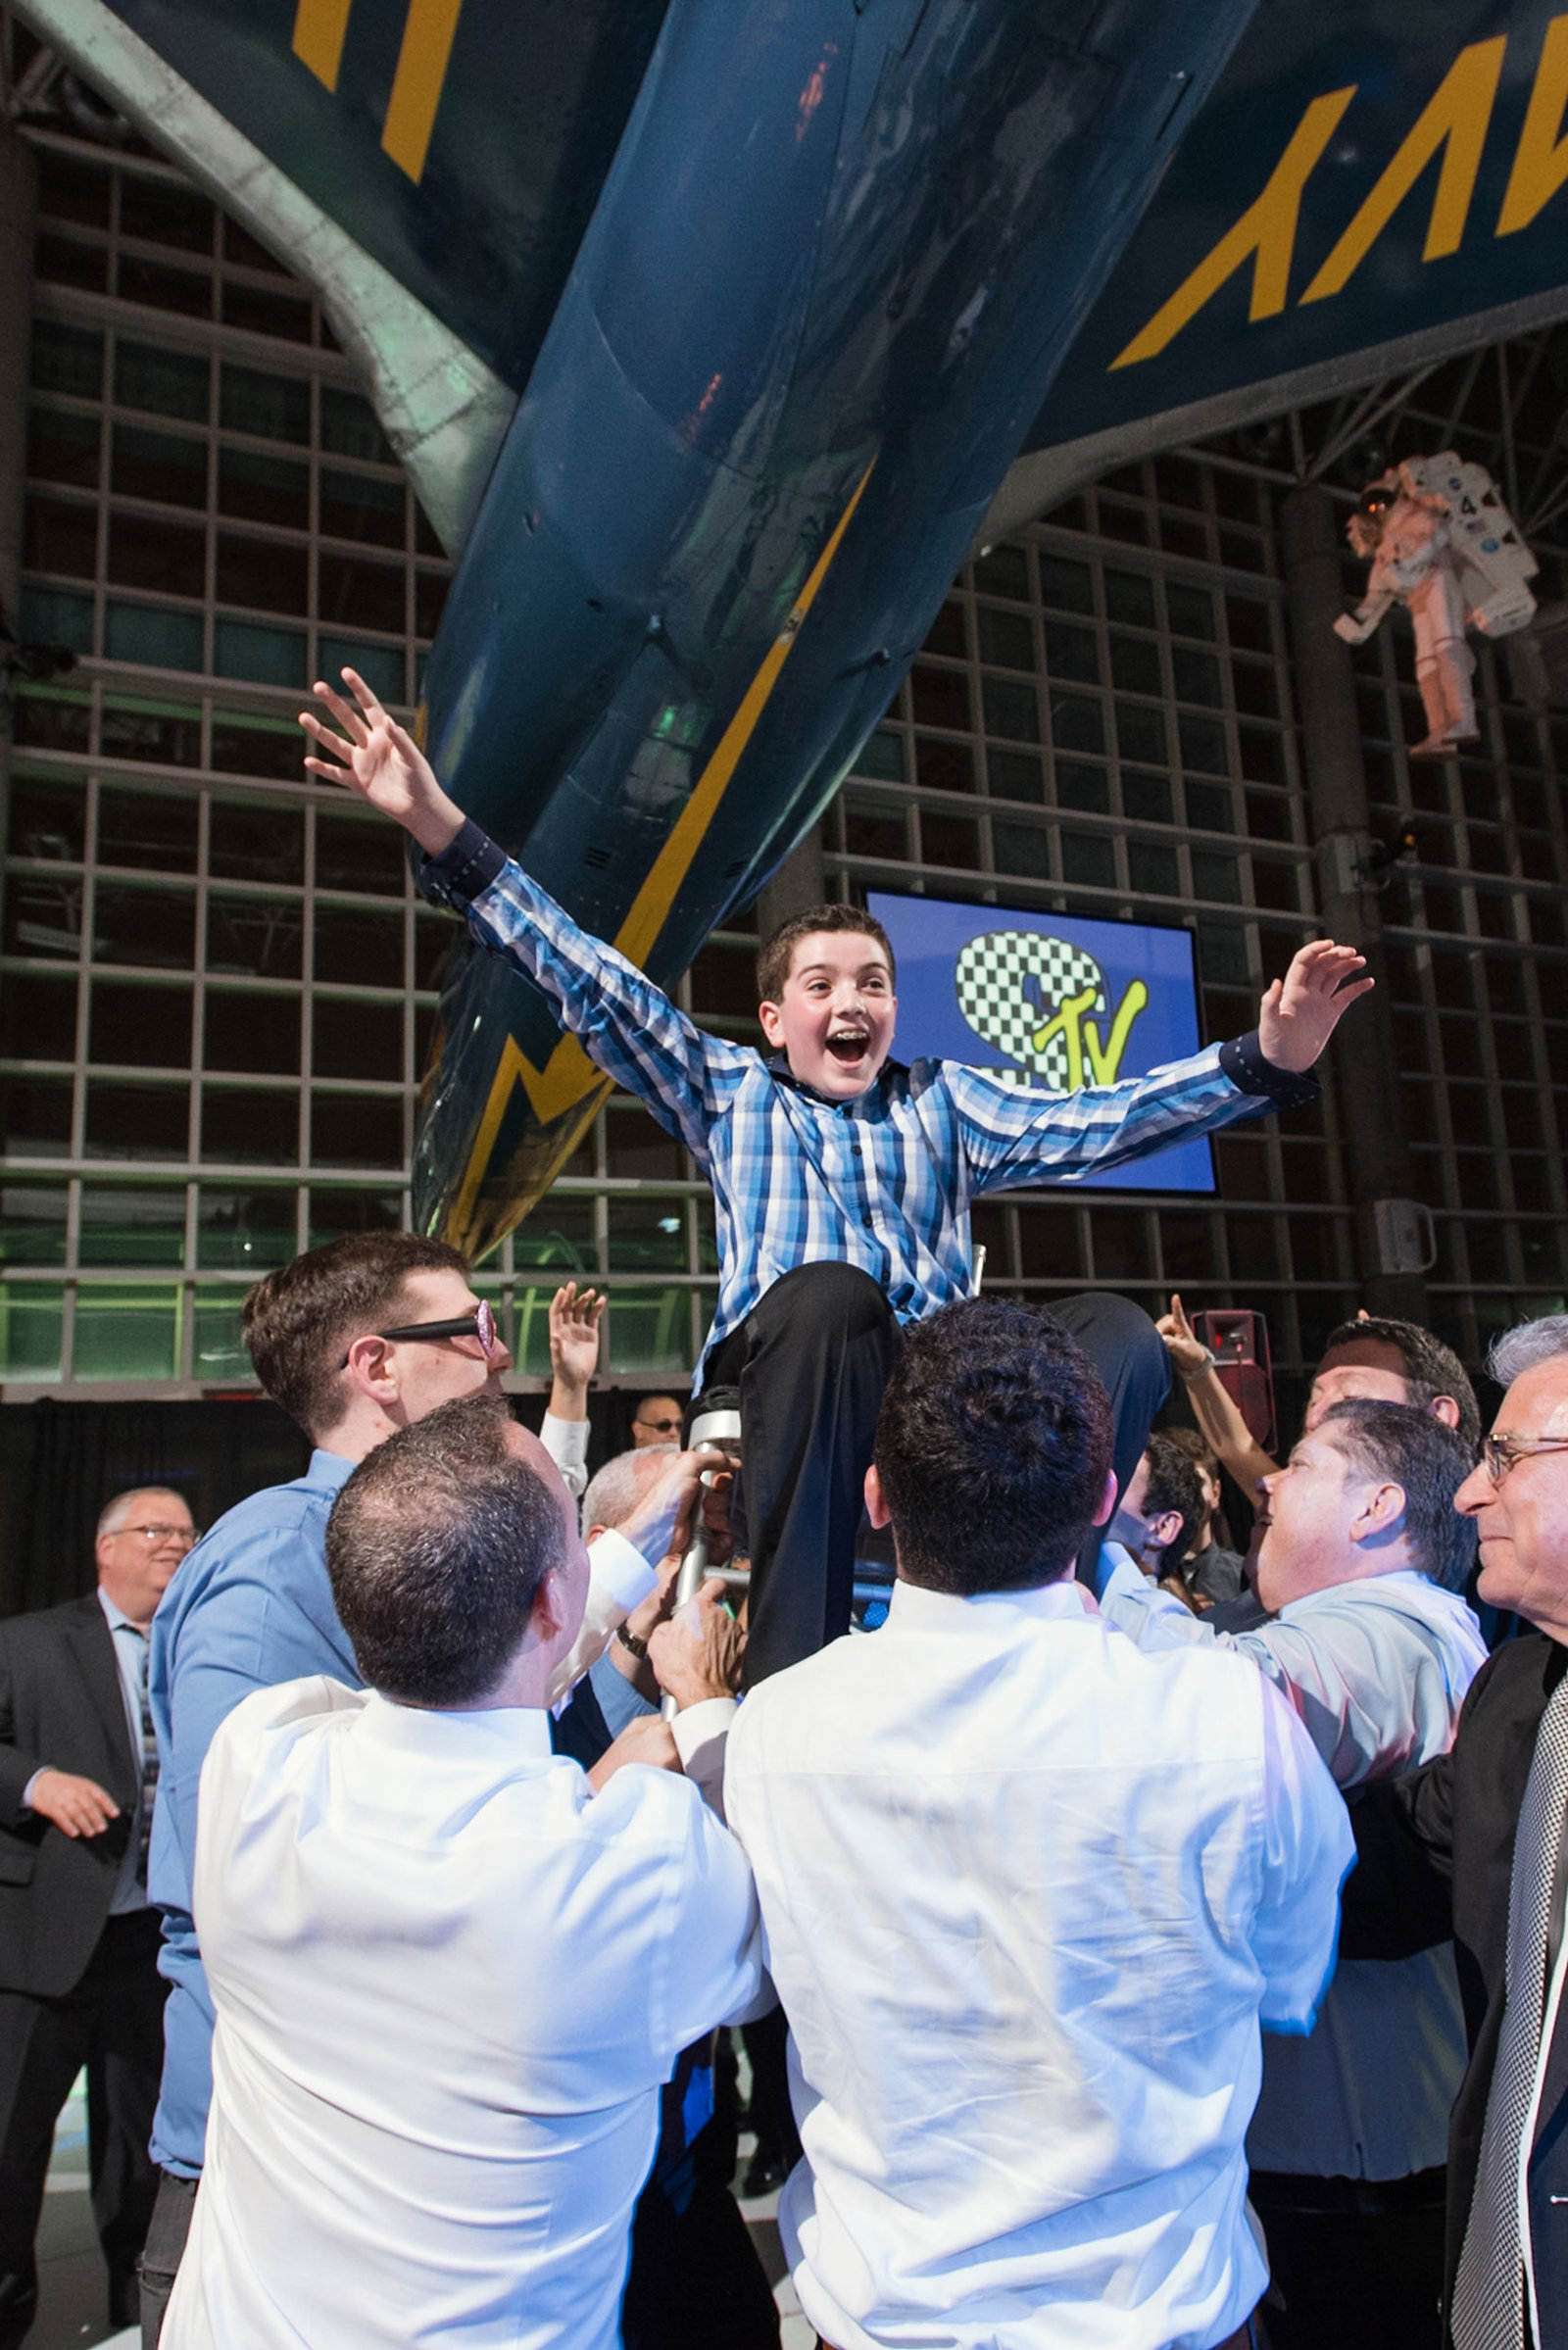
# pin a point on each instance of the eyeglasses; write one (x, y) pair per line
(480, 1325)
(1499, 1452)
(190, 1536)
(660, 1427)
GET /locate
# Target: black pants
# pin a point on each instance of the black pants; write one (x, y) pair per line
(112, 2023)
(1357, 2264)
(165, 2250)
(810, 1360)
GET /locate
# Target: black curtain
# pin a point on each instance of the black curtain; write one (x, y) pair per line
(61, 1462)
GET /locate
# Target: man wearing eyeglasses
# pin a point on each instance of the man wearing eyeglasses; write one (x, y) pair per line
(355, 1341)
(78, 1944)
(657, 1421)
(1474, 1845)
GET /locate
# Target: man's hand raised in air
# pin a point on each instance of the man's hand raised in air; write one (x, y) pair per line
(382, 762)
(1300, 1011)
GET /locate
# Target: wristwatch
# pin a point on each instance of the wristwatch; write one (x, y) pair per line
(631, 1643)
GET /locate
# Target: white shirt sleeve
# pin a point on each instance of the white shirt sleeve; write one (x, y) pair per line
(622, 1580)
(566, 1443)
(1308, 1852)
(701, 1736)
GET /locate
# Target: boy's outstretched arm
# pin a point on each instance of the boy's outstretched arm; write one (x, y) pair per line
(1013, 1135)
(624, 1022)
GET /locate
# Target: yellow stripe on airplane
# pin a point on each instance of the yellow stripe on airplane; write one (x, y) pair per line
(427, 35)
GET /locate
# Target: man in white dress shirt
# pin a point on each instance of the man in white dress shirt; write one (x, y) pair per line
(449, 1972)
(1364, 1560)
(1026, 1894)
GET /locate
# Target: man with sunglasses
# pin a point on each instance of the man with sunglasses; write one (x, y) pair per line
(78, 1943)
(1473, 1846)
(355, 1341)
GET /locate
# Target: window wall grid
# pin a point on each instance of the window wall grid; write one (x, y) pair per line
(1101, 723)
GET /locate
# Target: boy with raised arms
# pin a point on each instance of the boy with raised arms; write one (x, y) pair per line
(842, 1179)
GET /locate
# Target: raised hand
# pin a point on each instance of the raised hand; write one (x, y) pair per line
(1300, 1011)
(382, 762)
(574, 1319)
(1184, 1348)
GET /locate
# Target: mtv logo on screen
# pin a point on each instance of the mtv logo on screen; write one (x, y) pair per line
(1051, 1002)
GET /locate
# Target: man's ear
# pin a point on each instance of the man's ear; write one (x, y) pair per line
(1107, 1503)
(1444, 1408)
(1163, 1530)
(1381, 1514)
(876, 1502)
(547, 1617)
(771, 1016)
(368, 1367)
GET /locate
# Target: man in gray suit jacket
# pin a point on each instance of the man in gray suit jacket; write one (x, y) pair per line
(78, 1944)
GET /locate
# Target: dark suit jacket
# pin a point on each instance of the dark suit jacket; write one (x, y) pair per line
(60, 1704)
(1435, 1853)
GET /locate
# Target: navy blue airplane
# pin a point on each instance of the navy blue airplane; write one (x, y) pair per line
(707, 331)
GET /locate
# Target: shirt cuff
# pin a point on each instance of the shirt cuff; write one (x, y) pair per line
(699, 1725)
(464, 868)
(27, 1793)
(1243, 1063)
(619, 1570)
(566, 1443)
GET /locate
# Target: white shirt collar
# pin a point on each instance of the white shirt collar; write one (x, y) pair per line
(914, 1606)
(523, 1731)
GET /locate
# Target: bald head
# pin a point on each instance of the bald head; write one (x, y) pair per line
(616, 1488)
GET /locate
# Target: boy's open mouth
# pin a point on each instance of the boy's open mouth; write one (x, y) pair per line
(850, 1045)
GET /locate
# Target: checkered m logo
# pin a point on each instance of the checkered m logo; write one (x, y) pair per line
(1024, 994)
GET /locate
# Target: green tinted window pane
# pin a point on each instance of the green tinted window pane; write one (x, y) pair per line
(31, 1318)
(335, 1212)
(158, 465)
(32, 1223)
(558, 1238)
(67, 359)
(219, 1351)
(252, 841)
(160, 640)
(264, 655)
(1152, 869)
(171, 383)
(126, 1332)
(1222, 956)
(1215, 876)
(244, 1231)
(55, 617)
(882, 755)
(1011, 710)
(380, 667)
(647, 1235)
(123, 1226)
(35, 1116)
(361, 506)
(530, 1328)
(276, 407)
(1079, 786)
(1202, 743)
(649, 1330)
(1022, 850)
(349, 428)
(262, 489)
(1088, 857)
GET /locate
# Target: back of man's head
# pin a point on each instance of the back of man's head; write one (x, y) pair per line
(1173, 1488)
(1429, 1461)
(1427, 1367)
(435, 1548)
(299, 1321)
(993, 1447)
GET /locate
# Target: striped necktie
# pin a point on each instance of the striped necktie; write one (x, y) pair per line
(149, 1763)
(1489, 2294)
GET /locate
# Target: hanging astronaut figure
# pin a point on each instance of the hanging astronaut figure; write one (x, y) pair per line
(1441, 543)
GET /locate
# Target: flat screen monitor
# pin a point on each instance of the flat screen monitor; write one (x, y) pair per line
(1052, 1001)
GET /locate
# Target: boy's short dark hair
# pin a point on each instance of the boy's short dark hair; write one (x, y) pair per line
(300, 1321)
(435, 1548)
(1429, 1461)
(1431, 1369)
(776, 954)
(993, 1446)
(1173, 1484)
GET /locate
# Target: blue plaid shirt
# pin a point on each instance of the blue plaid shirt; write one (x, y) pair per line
(884, 1182)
